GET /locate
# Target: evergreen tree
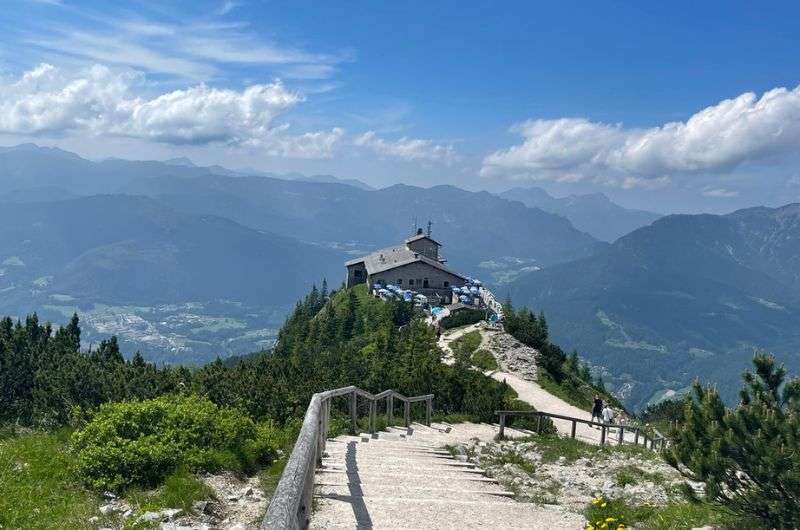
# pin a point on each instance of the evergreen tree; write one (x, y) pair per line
(748, 458)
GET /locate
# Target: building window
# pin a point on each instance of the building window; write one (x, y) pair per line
(447, 284)
(411, 281)
(400, 281)
(425, 282)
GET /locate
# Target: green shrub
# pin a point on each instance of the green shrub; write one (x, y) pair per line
(464, 317)
(484, 360)
(140, 442)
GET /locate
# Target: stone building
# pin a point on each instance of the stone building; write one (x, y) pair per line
(414, 265)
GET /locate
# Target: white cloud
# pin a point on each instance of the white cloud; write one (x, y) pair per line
(715, 140)
(316, 144)
(101, 101)
(227, 7)
(407, 148)
(192, 49)
(719, 193)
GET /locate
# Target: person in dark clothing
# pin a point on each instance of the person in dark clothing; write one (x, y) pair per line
(597, 409)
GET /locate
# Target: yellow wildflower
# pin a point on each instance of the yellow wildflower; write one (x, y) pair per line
(604, 505)
(610, 519)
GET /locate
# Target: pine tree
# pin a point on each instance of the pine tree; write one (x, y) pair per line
(748, 458)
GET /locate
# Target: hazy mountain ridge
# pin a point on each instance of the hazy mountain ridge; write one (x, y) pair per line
(474, 227)
(120, 257)
(689, 295)
(593, 213)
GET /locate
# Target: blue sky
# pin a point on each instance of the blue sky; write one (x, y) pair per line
(674, 107)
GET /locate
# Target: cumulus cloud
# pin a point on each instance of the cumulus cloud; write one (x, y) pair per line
(316, 144)
(715, 140)
(99, 100)
(407, 148)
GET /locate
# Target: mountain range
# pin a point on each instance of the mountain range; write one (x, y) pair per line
(187, 262)
(185, 284)
(688, 296)
(593, 213)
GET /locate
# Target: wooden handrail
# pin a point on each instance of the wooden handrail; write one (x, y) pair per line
(290, 507)
(657, 441)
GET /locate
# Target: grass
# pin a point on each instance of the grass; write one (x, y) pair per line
(37, 486)
(674, 516)
(512, 457)
(631, 474)
(179, 490)
(553, 447)
(484, 360)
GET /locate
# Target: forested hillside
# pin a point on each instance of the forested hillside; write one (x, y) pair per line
(180, 287)
(327, 342)
(689, 296)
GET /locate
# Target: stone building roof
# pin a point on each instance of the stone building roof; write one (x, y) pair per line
(392, 257)
(417, 237)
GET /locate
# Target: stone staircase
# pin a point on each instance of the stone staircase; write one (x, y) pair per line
(405, 479)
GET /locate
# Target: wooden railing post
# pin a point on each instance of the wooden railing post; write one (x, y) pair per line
(389, 409)
(428, 411)
(621, 435)
(407, 413)
(539, 424)
(574, 427)
(372, 408)
(502, 433)
(636, 436)
(602, 435)
(353, 413)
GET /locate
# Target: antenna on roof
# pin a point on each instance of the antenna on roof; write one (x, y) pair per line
(429, 227)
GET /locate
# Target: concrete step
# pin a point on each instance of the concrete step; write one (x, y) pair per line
(407, 479)
(386, 491)
(404, 513)
(421, 471)
(380, 460)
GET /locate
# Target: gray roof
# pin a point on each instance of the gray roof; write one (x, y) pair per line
(392, 257)
(417, 237)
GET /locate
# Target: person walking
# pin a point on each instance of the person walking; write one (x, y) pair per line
(597, 409)
(608, 415)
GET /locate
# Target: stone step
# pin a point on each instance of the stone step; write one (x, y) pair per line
(409, 479)
(386, 491)
(441, 471)
(408, 514)
(395, 460)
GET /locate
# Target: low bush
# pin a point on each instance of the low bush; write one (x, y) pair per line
(484, 360)
(141, 442)
(464, 317)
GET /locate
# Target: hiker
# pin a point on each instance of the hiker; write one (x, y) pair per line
(608, 415)
(597, 410)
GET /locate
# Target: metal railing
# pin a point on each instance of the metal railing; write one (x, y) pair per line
(654, 442)
(290, 507)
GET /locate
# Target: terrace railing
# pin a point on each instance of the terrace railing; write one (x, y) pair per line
(653, 441)
(290, 507)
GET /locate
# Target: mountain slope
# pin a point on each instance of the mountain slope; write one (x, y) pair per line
(478, 230)
(690, 295)
(592, 213)
(136, 255)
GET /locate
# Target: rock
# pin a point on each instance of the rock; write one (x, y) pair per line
(247, 492)
(109, 495)
(94, 519)
(108, 509)
(238, 526)
(200, 506)
(233, 497)
(170, 513)
(151, 516)
(127, 513)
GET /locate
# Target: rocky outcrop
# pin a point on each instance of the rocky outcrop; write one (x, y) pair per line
(511, 354)
(533, 473)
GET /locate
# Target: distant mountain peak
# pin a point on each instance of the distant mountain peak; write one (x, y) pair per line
(180, 161)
